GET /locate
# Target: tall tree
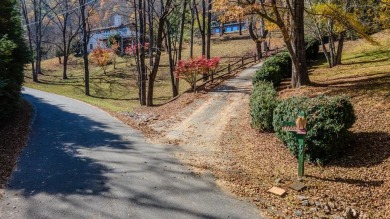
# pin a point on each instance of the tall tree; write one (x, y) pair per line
(334, 19)
(166, 8)
(34, 14)
(67, 22)
(26, 19)
(288, 16)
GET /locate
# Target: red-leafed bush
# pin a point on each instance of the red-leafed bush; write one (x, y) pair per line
(190, 69)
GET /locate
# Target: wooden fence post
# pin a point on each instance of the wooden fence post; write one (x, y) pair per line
(242, 60)
(229, 68)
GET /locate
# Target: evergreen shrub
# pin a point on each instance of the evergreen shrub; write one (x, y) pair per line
(13, 56)
(282, 60)
(328, 121)
(262, 103)
(270, 73)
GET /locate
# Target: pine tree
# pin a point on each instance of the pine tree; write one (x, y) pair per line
(13, 56)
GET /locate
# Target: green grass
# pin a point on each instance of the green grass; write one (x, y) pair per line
(114, 91)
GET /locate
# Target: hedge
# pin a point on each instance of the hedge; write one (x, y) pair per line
(282, 60)
(328, 119)
(270, 73)
(262, 103)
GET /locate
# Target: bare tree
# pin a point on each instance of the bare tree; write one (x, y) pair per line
(166, 7)
(34, 14)
(67, 22)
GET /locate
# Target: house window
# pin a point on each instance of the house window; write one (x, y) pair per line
(90, 46)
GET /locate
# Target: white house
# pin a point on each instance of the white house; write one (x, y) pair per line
(99, 36)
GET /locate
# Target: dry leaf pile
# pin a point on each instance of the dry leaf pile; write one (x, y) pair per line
(14, 135)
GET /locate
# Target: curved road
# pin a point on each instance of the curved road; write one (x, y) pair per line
(82, 163)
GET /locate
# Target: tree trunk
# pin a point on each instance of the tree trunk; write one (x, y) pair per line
(153, 73)
(65, 67)
(151, 41)
(85, 49)
(168, 43)
(340, 48)
(192, 29)
(142, 73)
(209, 8)
(64, 72)
(183, 18)
(255, 39)
(300, 76)
(264, 33)
(239, 28)
(203, 30)
(331, 44)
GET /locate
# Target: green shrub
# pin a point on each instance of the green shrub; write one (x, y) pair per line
(282, 60)
(262, 103)
(328, 119)
(271, 73)
(312, 46)
(13, 55)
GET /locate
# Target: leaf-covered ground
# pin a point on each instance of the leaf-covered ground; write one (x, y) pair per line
(14, 135)
(248, 163)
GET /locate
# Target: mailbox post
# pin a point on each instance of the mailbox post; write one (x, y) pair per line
(298, 128)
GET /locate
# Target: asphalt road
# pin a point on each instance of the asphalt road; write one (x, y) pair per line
(82, 163)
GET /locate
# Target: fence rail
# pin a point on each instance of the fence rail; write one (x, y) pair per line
(232, 67)
(229, 69)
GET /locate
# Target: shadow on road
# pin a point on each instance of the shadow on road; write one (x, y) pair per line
(75, 166)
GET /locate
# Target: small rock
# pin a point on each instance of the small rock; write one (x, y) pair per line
(13, 207)
(301, 197)
(318, 204)
(305, 203)
(298, 213)
(278, 180)
(313, 209)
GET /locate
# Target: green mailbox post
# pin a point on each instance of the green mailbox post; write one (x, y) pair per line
(298, 128)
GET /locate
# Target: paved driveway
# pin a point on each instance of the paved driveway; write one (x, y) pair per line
(82, 163)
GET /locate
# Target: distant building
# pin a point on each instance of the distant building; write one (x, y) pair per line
(126, 33)
(228, 28)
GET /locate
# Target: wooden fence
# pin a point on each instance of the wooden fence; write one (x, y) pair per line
(231, 67)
